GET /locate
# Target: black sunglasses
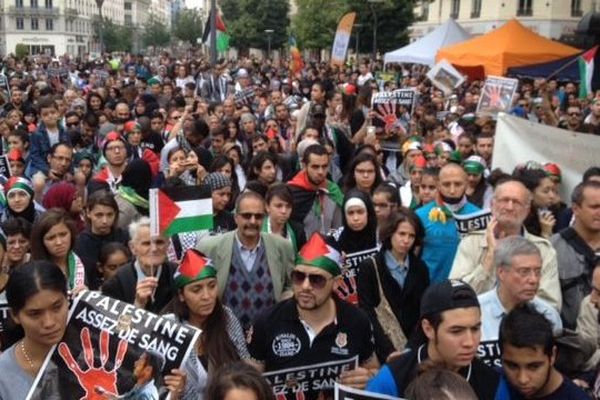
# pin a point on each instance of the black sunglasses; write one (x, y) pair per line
(249, 216)
(315, 280)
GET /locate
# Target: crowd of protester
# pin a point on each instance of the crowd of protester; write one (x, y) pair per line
(330, 239)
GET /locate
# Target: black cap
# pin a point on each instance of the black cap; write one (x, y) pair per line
(448, 295)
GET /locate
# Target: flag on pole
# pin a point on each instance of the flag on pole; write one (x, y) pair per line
(586, 71)
(342, 38)
(180, 209)
(222, 36)
(296, 62)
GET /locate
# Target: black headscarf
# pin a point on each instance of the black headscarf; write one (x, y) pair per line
(138, 176)
(352, 241)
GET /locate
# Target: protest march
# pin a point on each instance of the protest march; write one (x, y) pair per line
(207, 226)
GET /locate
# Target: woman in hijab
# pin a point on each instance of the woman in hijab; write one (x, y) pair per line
(132, 194)
(66, 196)
(357, 239)
(20, 200)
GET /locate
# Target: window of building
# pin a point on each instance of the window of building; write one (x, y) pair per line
(49, 24)
(34, 3)
(128, 20)
(34, 24)
(19, 3)
(476, 9)
(576, 8)
(20, 23)
(48, 3)
(525, 8)
(127, 6)
(425, 10)
(455, 9)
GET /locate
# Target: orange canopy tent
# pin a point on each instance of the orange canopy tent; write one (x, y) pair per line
(511, 45)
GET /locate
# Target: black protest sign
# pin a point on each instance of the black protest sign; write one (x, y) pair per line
(5, 166)
(346, 287)
(347, 393)
(489, 352)
(244, 97)
(472, 222)
(387, 108)
(106, 344)
(4, 319)
(497, 95)
(308, 382)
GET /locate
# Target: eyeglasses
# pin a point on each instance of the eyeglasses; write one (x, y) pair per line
(115, 148)
(248, 216)
(575, 113)
(316, 281)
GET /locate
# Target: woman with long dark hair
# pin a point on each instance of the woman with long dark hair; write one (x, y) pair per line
(53, 238)
(392, 282)
(239, 379)
(37, 296)
(197, 304)
(363, 174)
(102, 215)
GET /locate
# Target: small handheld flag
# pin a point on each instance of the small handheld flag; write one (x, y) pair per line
(180, 209)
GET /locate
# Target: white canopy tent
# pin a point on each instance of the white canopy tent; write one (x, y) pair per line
(423, 51)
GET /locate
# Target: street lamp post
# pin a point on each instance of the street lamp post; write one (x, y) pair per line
(357, 27)
(99, 3)
(269, 32)
(372, 6)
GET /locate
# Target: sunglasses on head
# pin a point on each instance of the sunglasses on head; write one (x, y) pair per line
(316, 281)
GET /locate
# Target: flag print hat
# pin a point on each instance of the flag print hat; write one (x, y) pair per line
(553, 170)
(317, 252)
(131, 126)
(194, 266)
(18, 183)
(474, 165)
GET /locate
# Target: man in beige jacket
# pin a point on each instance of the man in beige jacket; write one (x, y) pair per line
(474, 259)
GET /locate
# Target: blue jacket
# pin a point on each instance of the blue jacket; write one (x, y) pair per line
(40, 148)
(441, 241)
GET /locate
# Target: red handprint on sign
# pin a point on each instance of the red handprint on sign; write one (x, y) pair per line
(386, 113)
(495, 96)
(98, 383)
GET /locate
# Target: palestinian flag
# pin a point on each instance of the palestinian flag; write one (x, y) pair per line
(586, 71)
(222, 36)
(180, 209)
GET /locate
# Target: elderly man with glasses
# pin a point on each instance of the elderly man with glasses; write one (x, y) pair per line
(253, 267)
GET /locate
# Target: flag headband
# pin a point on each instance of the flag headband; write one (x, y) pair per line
(194, 267)
(317, 253)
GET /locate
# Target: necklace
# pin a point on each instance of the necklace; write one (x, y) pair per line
(27, 356)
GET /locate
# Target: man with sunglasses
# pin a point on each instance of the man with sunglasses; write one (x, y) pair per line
(573, 120)
(253, 268)
(314, 327)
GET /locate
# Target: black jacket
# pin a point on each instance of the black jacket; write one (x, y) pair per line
(405, 302)
(88, 247)
(122, 286)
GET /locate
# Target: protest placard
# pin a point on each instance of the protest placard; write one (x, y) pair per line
(346, 288)
(106, 343)
(445, 77)
(387, 107)
(4, 319)
(244, 97)
(472, 222)
(307, 382)
(497, 95)
(5, 166)
(347, 393)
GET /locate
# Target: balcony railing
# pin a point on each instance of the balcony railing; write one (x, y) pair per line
(41, 11)
(525, 12)
(71, 12)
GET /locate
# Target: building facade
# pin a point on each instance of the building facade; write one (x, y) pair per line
(549, 18)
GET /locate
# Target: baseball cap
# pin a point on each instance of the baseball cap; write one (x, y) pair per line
(448, 295)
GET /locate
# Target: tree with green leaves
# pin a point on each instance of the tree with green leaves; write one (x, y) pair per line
(247, 20)
(316, 21)
(393, 19)
(156, 33)
(116, 37)
(189, 26)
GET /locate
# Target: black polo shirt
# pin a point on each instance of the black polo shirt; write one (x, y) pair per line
(279, 339)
